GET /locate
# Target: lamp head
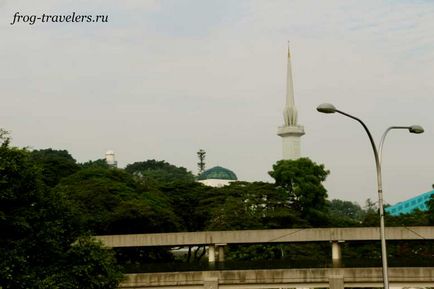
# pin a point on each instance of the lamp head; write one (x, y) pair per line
(326, 108)
(416, 129)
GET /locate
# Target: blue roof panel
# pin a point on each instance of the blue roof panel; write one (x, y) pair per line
(419, 202)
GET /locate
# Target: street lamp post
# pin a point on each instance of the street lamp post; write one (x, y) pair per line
(330, 108)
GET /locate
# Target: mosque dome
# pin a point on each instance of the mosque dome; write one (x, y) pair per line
(218, 173)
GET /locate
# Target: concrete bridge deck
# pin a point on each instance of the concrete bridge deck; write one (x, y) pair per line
(333, 278)
(267, 236)
(216, 240)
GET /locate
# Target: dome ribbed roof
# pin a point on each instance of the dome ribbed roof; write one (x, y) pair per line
(218, 173)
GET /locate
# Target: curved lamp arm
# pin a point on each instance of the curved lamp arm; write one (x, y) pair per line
(417, 129)
(371, 139)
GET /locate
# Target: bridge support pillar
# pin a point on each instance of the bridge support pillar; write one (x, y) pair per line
(336, 254)
(221, 252)
(336, 281)
(211, 253)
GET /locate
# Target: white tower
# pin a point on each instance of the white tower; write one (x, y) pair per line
(290, 132)
(110, 158)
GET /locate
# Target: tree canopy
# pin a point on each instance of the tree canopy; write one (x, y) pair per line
(160, 173)
(345, 213)
(301, 180)
(111, 201)
(54, 164)
(39, 231)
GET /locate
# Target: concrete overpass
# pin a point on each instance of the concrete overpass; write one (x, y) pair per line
(216, 240)
(267, 236)
(334, 278)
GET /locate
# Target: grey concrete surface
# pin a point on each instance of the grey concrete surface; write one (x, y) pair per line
(266, 236)
(333, 278)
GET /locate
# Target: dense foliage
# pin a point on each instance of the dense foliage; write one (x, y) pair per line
(111, 201)
(301, 180)
(54, 165)
(160, 173)
(38, 243)
(49, 203)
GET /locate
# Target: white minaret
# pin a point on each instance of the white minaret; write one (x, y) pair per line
(290, 131)
(110, 158)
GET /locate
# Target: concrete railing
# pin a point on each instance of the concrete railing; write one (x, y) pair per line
(282, 278)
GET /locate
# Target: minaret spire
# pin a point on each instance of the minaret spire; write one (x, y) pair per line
(290, 132)
(289, 112)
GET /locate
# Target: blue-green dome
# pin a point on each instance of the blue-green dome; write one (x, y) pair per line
(218, 173)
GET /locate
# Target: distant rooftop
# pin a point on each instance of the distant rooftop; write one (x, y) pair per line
(419, 202)
(218, 173)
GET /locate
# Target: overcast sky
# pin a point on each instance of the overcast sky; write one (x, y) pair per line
(163, 79)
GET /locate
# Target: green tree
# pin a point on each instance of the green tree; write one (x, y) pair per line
(301, 180)
(20, 191)
(372, 217)
(345, 213)
(159, 173)
(38, 229)
(111, 201)
(257, 205)
(79, 270)
(185, 199)
(415, 218)
(54, 164)
(224, 208)
(243, 205)
(99, 163)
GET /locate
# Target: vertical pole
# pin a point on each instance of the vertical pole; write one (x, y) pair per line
(380, 199)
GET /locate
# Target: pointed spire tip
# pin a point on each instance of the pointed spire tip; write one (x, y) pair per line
(289, 53)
